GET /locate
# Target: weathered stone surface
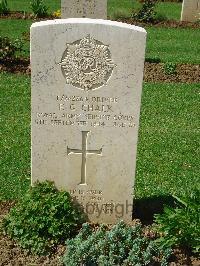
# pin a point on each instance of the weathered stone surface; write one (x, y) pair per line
(190, 10)
(84, 9)
(86, 90)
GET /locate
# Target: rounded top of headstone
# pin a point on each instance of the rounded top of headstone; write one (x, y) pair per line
(88, 21)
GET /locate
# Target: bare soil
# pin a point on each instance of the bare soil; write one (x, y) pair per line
(11, 254)
(20, 15)
(185, 73)
(15, 15)
(153, 72)
(164, 23)
(16, 65)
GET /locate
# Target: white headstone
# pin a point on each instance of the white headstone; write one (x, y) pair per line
(84, 9)
(86, 89)
(190, 10)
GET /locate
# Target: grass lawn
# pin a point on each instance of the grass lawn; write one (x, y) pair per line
(14, 28)
(173, 45)
(165, 9)
(168, 150)
(24, 5)
(168, 140)
(168, 44)
(169, 10)
(15, 135)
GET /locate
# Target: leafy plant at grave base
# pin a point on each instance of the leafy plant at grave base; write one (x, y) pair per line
(122, 245)
(39, 9)
(43, 218)
(170, 68)
(181, 226)
(4, 7)
(147, 12)
(9, 48)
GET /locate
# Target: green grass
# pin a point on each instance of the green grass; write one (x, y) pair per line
(13, 28)
(166, 9)
(24, 5)
(168, 149)
(168, 44)
(116, 7)
(170, 10)
(173, 45)
(15, 135)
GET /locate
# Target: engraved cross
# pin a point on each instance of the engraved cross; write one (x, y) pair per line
(84, 153)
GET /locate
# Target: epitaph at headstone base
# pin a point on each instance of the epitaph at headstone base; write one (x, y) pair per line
(86, 90)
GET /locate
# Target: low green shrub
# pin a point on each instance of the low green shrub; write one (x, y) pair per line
(147, 12)
(9, 48)
(180, 226)
(43, 218)
(39, 9)
(122, 245)
(4, 7)
(170, 68)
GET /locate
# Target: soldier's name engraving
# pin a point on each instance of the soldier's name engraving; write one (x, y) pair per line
(85, 104)
(87, 107)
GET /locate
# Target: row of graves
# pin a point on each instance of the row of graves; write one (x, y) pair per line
(98, 9)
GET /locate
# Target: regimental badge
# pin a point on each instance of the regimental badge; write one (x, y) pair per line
(86, 64)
